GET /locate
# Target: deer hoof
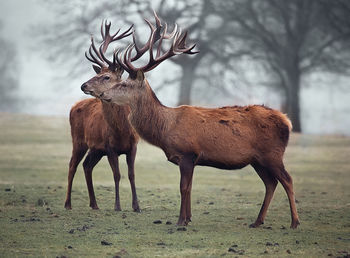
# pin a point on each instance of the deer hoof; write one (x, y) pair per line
(182, 223)
(255, 224)
(295, 224)
(138, 210)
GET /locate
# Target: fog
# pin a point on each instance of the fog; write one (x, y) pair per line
(324, 109)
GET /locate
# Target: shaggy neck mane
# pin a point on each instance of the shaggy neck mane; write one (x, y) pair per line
(148, 117)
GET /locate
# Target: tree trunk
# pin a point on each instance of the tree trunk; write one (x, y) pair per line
(293, 99)
(186, 86)
(293, 109)
(188, 67)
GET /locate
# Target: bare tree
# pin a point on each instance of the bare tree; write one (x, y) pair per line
(8, 75)
(75, 20)
(289, 38)
(337, 13)
(67, 36)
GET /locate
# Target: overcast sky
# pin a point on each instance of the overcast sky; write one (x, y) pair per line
(40, 95)
(325, 109)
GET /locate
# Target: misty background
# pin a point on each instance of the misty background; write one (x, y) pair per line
(252, 52)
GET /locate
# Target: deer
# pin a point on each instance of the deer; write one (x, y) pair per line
(230, 137)
(101, 127)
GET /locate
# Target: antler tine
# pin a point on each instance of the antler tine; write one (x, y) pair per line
(103, 56)
(158, 26)
(127, 57)
(115, 63)
(126, 33)
(177, 35)
(181, 42)
(97, 55)
(93, 59)
(116, 56)
(181, 45)
(155, 35)
(161, 40)
(178, 46)
(158, 21)
(107, 38)
(107, 27)
(172, 34)
(89, 58)
(127, 66)
(95, 49)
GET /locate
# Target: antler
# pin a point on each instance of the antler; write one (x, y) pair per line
(97, 55)
(178, 46)
(108, 38)
(155, 35)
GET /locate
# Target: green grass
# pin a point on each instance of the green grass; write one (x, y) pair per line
(34, 155)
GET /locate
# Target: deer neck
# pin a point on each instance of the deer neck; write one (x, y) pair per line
(114, 114)
(150, 118)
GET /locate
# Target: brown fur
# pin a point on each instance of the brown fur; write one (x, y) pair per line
(227, 138)
(103, 129)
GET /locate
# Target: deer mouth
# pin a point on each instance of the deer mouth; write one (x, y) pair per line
(88, 92)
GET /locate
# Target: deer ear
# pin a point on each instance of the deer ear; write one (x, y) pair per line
(96, 68)
(140, 76)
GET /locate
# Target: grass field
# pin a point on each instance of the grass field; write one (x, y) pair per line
(34, 155)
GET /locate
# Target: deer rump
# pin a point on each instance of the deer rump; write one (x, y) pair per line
(228, 137)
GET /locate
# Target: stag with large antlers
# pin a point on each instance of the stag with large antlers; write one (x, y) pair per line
(100, 127)
(226, 138)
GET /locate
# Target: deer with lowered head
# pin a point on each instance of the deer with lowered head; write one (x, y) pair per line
(101, 127)
(226, 138)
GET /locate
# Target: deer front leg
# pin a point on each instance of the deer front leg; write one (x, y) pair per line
(130, 159)
(89, 163)
(77, 156)
(186, 171)
(114, 163)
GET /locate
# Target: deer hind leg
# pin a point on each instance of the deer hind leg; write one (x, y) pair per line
(114, 163)
(90, 162)
(285, 179)
(270, 185)
(130, 160)
(186, 171)
(77, 155)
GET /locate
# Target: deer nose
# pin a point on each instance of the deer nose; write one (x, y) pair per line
(83, 87)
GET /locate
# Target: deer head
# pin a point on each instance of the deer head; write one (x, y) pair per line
(108, 72)
(126, 91)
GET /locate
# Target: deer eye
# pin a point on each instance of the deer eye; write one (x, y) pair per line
(106, 78)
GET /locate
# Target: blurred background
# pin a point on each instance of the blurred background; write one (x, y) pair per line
(290, 55)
